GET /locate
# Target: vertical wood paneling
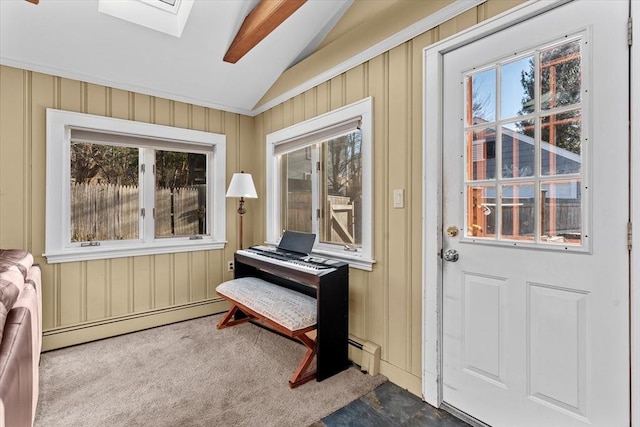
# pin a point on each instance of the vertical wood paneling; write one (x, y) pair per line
(377, 300)
(96, 99)
(233, 166)
(181, 278)
(310, 104)
(198, 118)
(72, 298)
(121, 288)
(357, 302)
(71, 95)
(142, 108)
(118, 104)
(42, 96)
(143, 280)
(163, 283)
(322, 98)
(197, 267)
(355, 84)
(95, 283)
(215, 273)
(181, 114)
(297, 109)
(251, 161)
(77, 292)
(397, 165)
(336, 92)
(12, 173)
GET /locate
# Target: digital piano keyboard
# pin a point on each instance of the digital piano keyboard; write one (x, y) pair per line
(310, 264)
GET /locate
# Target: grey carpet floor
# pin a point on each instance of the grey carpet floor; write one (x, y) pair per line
(188, 374)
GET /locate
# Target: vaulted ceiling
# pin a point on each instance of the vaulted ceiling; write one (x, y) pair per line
(81, 39)
(176, 49)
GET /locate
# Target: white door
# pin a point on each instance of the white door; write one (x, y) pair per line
(535, 208)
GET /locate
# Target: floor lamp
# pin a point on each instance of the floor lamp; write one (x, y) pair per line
(241, 185)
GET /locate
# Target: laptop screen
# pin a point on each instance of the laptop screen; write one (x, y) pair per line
(296, 241)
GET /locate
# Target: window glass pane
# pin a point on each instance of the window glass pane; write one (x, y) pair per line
(481, 214)
(560, 76)
(481, 97)
(518, 149)
(481, 154)
(180, 194)
(517, 88)
(561, 216)
(296, 190)
(104, 192)
(342, 195)
(561, 143)
(518, 211)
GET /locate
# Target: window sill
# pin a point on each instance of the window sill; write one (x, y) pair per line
(352, 259)
(106, 251)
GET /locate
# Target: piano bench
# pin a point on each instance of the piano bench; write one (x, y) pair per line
(289, 312)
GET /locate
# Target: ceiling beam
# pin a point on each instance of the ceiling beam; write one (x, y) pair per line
(259, 23)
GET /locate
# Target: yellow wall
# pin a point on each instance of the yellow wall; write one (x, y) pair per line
(116, 295)
(94, 299)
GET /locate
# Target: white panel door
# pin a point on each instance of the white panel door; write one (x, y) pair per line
(535, 208)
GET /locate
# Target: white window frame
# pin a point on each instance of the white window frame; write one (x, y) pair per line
(152, 14)
(362, 258)
(58, 245)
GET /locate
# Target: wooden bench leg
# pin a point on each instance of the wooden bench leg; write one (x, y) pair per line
(300, 375)
(228, 319)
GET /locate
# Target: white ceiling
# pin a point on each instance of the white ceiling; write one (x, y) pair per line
(71, 38)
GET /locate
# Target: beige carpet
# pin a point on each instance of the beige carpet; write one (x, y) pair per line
(188, 374)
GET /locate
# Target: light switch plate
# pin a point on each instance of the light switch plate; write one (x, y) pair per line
(398, 198)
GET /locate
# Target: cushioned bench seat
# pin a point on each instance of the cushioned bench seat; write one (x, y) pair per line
(287, 311)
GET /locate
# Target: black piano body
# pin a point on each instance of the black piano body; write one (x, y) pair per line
(329, 284)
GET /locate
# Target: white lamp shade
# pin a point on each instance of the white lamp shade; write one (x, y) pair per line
(242, 186)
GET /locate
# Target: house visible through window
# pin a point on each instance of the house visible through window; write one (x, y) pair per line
(131, 188)
(525, 171)
(319, 173)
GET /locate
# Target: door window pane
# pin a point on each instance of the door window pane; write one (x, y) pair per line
(561, 143)
(517, 88)
(296, 190)
(342, 190)
(104, 192)
(531, 152)
(181, 188)
(518, 149)
(481, 211)
(481, 97)
(518, 211)
(561, 216)
(561, 75)
(481, 154)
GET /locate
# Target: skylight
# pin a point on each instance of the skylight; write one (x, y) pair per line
(167, 16)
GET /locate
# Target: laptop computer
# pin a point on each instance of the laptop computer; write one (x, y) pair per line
(293, 245)
(296, 243)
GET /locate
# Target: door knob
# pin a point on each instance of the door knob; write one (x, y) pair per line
(451, 255)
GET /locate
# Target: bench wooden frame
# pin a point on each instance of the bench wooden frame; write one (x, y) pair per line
(302, 374)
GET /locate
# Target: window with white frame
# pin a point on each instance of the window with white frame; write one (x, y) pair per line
(319, 180)
(121, 188)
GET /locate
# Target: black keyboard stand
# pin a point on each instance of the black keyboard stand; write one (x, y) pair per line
(331, 291)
